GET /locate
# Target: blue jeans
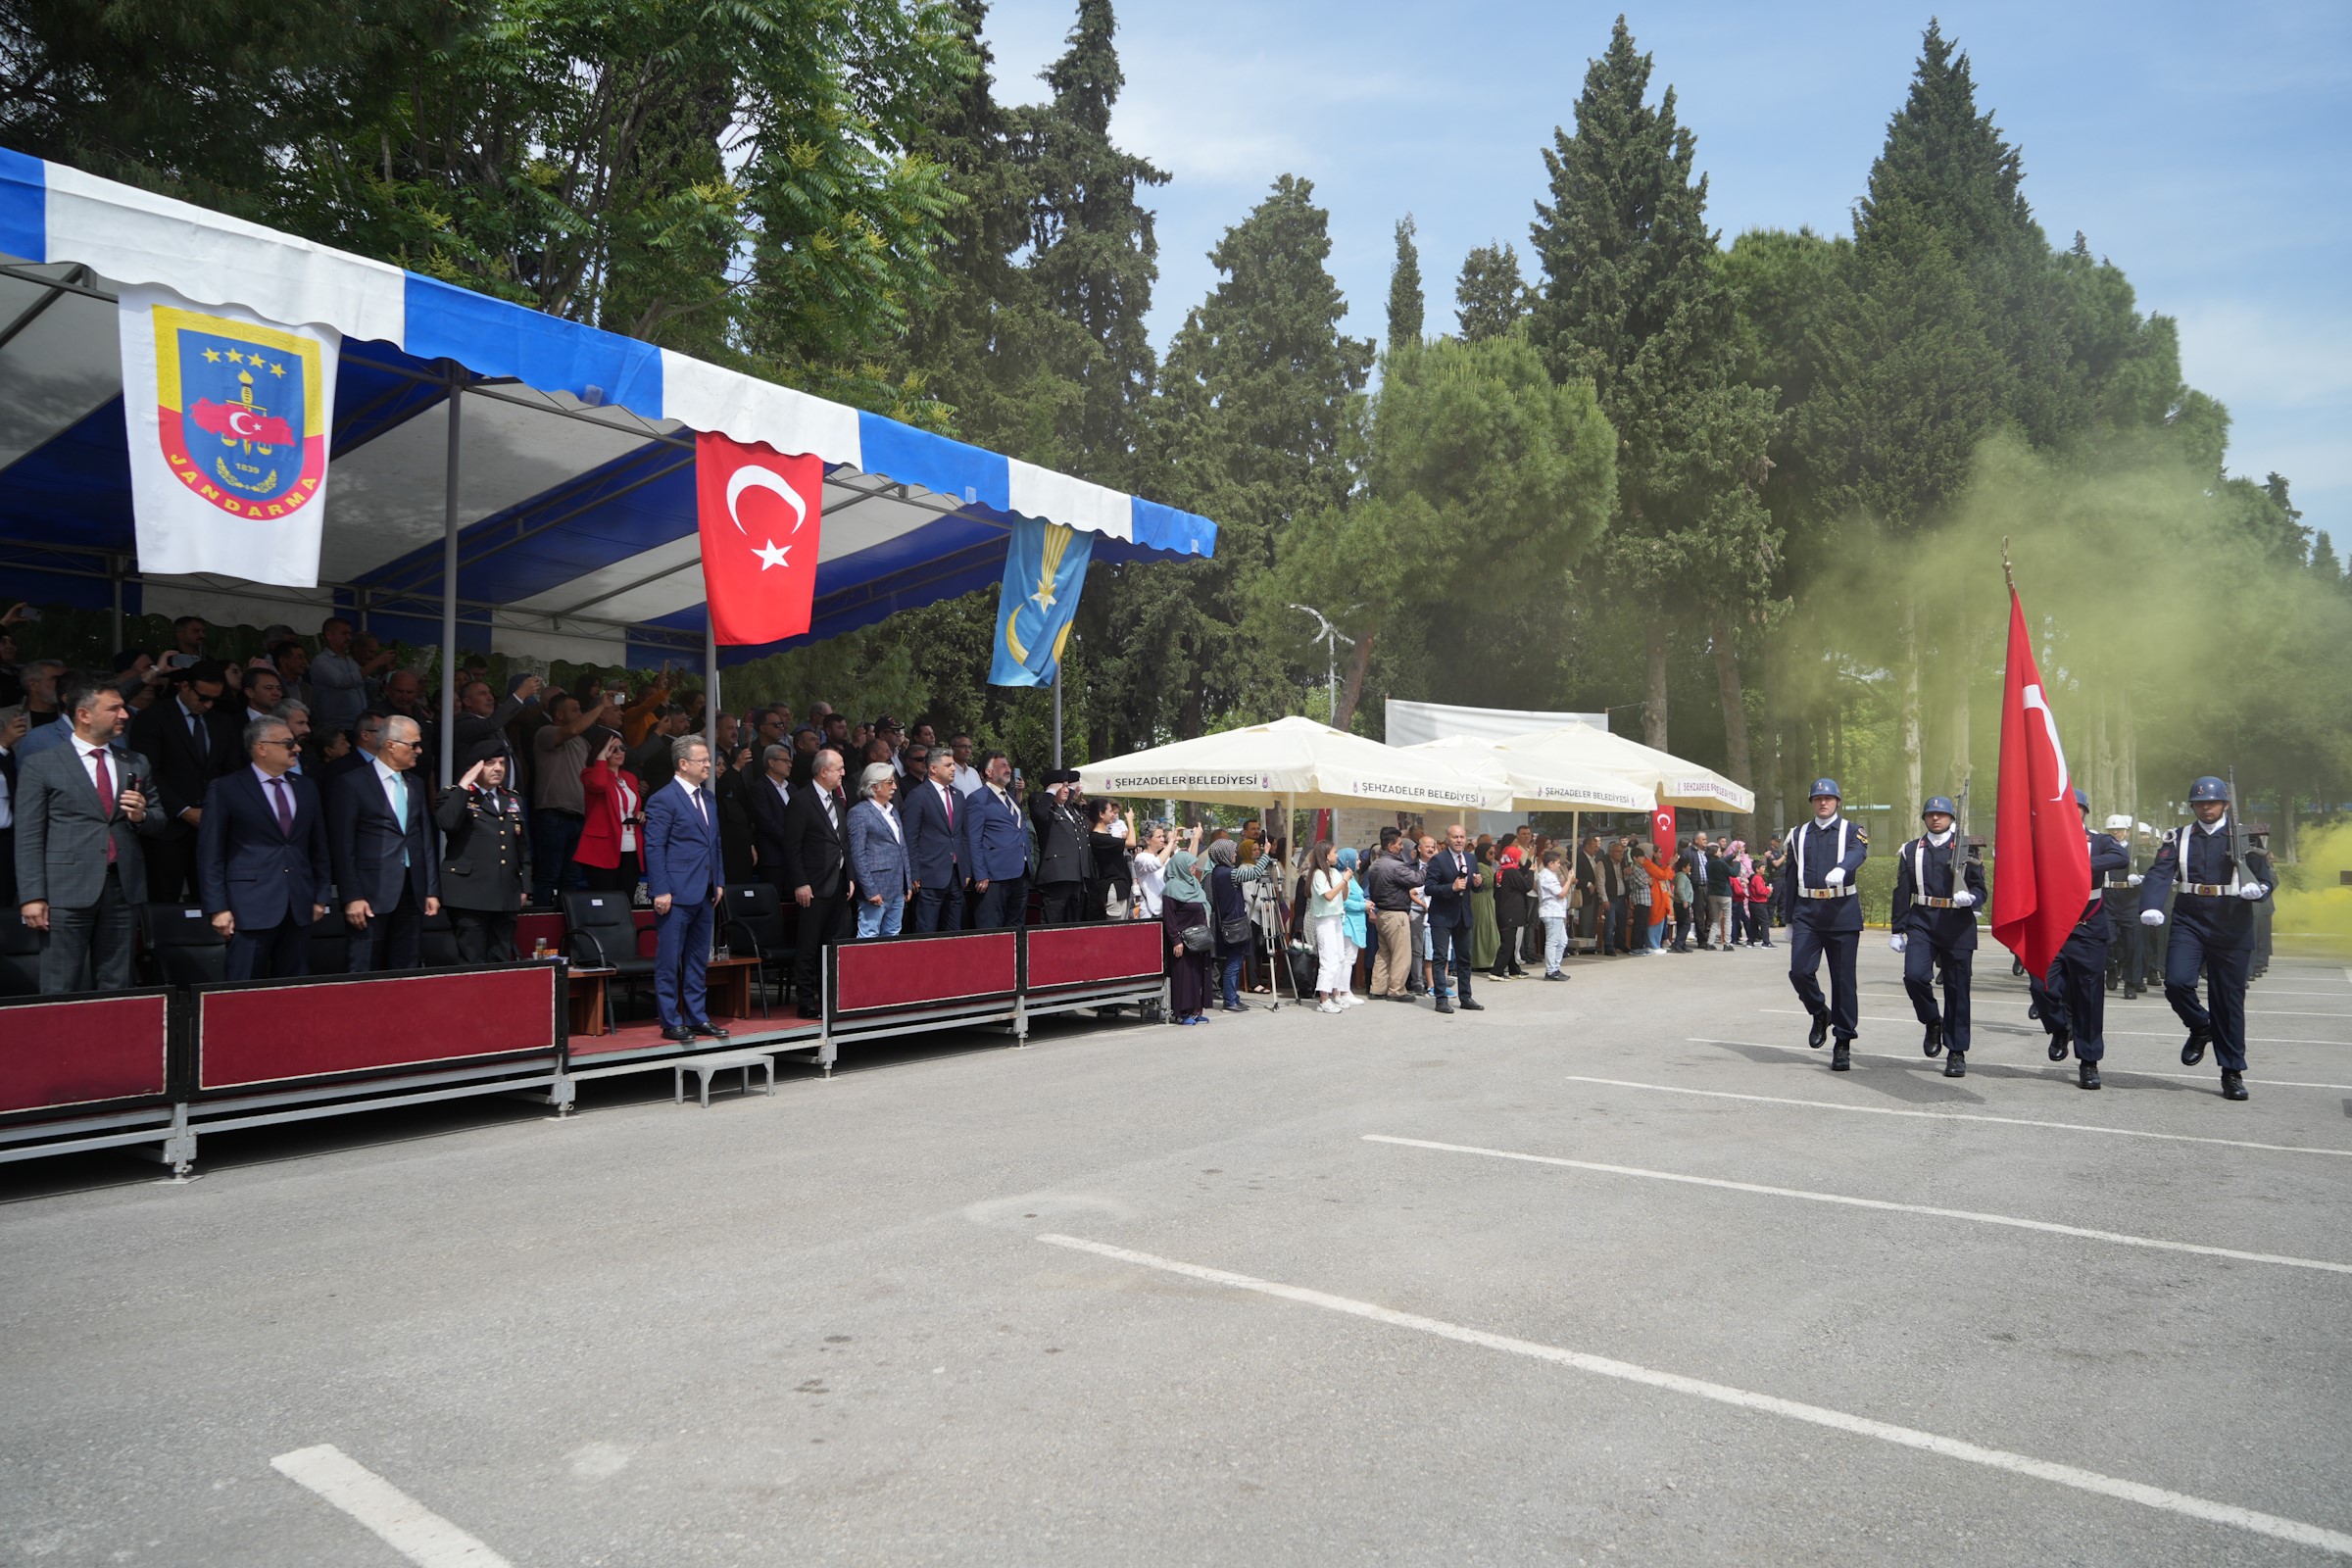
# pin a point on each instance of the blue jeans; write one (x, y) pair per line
(1229, 974)
(1555, 941)
(880, 920)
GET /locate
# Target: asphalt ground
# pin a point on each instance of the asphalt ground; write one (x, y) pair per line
(830, 1327)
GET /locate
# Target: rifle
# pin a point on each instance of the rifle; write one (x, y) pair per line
(2235, 863)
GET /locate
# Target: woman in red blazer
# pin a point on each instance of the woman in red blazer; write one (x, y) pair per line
(613, 833)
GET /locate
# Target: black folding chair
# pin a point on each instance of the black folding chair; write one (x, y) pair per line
(19, 956)
(437, 942)
(600, 931)
(182, 945)
(752, 916)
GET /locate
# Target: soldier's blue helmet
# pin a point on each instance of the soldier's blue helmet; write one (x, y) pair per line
(1829, 787)
(1939, 803)
(2208, 788)
(2081, 801)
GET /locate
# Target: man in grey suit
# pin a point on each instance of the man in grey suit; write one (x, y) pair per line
(81, 810)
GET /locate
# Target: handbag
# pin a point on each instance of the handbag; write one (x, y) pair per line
(1196, 939)
(1233, 931)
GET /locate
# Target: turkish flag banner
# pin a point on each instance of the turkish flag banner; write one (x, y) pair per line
(1661, 831)
(2041, 856)
(759, 513)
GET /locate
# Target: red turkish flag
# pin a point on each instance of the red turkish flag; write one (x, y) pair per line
(2041, 856)
(1661, 832)
(759, 512)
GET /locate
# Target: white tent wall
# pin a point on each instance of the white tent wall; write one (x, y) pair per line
(1412, 723)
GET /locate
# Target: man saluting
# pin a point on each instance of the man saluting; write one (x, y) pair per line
(1825, 856)
(1937, 889)
(2219, 882)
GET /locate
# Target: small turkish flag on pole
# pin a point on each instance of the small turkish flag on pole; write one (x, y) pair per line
(2041, 856)
(759, 512)
(1661, 830)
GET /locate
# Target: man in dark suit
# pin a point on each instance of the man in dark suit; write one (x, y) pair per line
(996, 847)
(1452, 875)
(189, 748)
(767, 798)
(1063, 856)
(382, 846)
(732, 785)
(82, 808)
(682, 872)
(932, 813)
(816, 874)
(262, 864)
(12, 731)
(481, 854)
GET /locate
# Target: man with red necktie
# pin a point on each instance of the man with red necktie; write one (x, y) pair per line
(81, 810)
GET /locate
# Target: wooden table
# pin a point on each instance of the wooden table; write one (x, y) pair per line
(588, 1000)
(728, 990)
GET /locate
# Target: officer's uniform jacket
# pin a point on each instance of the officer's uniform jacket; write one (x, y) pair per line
(2197, 867)
(481, 854)
(1805, 892)
(1922, 893)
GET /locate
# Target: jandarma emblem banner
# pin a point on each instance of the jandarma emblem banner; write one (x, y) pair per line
(228, 417)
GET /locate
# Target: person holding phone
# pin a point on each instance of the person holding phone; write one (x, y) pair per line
(80, 811)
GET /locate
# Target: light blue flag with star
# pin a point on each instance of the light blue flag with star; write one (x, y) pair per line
(1043, 572)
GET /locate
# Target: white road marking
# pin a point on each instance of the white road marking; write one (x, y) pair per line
(2011, 1220)
(2065, 1474)
(2054, 1074)
(406, 1525)
(1954, 1115)
(2152, 1034)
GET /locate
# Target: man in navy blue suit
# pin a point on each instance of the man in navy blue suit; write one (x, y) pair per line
(1453, 874)
(682, 871)
(261, 857)
(996, 847)
(386, 871)
(933, 814)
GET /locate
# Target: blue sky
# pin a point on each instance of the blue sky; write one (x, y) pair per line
(2206, 150)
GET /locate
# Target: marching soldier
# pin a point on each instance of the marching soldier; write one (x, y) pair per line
(2212, 925)
(2074, 994)
(1937, 889)
(1825, 857)
(2125, 965)
(2155, 940)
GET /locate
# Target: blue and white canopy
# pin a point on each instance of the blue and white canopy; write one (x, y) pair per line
(575, 489)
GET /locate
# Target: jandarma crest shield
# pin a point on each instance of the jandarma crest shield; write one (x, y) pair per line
(240, 415)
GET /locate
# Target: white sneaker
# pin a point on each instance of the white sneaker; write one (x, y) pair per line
(1330, 1007)
(1348, 998)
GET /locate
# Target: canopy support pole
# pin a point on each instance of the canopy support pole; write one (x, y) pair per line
(449, 592)
(1057, 714)
(711, 693)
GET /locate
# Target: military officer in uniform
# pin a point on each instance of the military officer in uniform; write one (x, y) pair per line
(1825, 918)
(481, 857)
(2074, 994)
(2125, 964)
(1936, 891)
(2213, 927)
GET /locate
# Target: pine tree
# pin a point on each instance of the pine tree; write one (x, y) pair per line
(1633, 299)
(1094, 258)
(1404, 289)
(1489, 297)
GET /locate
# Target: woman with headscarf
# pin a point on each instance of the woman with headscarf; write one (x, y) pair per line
(1357, 919)
(1183, 907)
(1486, 936)
(1229, 912)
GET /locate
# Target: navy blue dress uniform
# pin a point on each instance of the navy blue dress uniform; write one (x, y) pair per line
(1448, 923)
(1937, 889)
(2073, 995)
(2126, 962)
(1819, 901)
(2220, 880)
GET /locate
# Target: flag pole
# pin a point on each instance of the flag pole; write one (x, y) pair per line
(2007, 575)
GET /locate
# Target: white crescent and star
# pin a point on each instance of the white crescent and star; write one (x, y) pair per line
(752, 477)
(2031, 701)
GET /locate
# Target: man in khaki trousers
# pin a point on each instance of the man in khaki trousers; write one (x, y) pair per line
(1389, 887)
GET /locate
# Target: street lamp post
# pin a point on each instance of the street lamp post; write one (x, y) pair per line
(1330, 637)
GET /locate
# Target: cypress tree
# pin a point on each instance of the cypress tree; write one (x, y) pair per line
(1489, 297)
(1633, 299)
(1404, 289)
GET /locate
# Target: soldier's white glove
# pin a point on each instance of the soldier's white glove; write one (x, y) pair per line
(1835, 878)
(2151, 917)
(2251, 891)
(1896, 941)
(2134, 879)
(1964, 900)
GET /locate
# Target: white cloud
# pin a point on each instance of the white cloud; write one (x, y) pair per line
(2293, 356)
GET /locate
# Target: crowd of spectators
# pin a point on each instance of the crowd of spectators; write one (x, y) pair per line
(864, 830)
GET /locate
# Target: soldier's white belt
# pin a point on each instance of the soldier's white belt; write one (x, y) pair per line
(1935, 903)
(2208, 890)
(1828, 892)
(2116, 882)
